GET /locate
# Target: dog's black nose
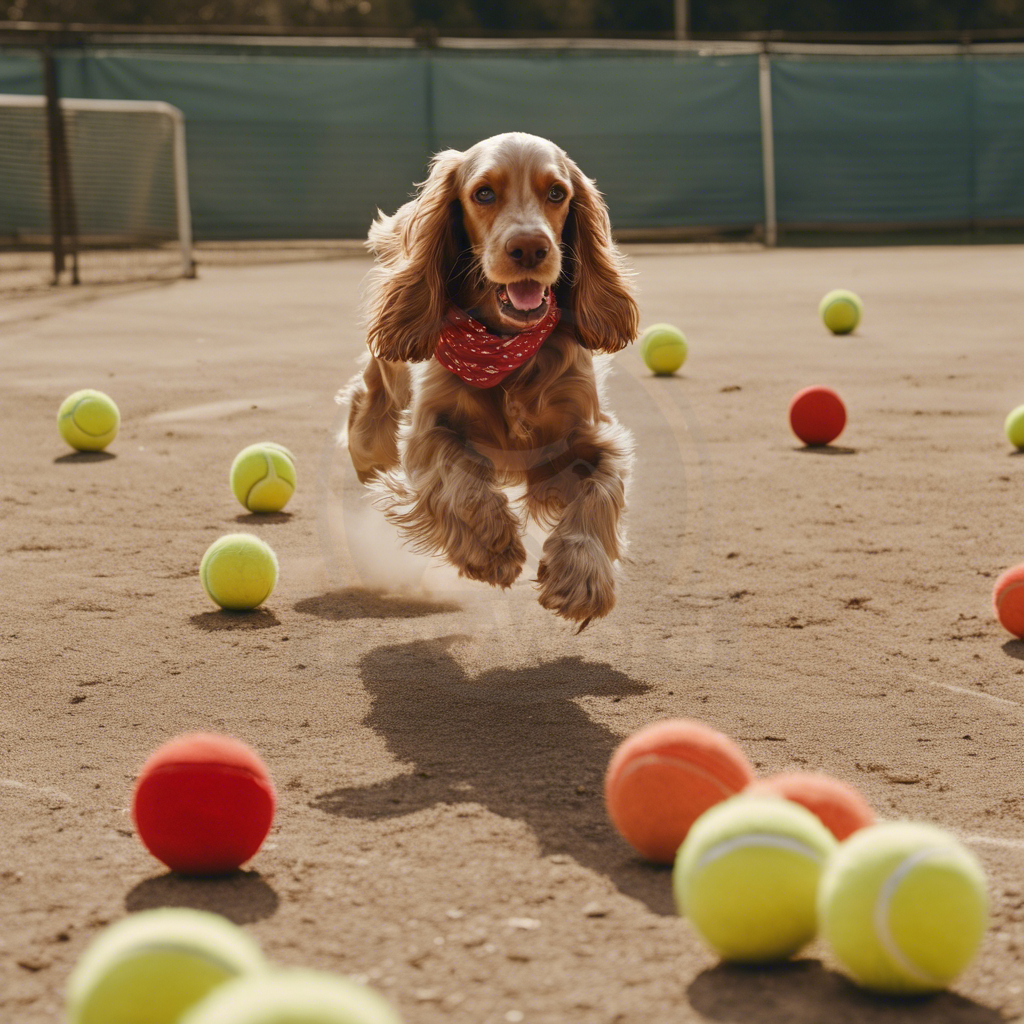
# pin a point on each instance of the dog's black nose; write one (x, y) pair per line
(527, 250)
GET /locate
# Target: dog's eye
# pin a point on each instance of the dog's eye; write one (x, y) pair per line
(484, 195)
(556, 193)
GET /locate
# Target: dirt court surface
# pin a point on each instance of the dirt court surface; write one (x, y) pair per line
(438, 747)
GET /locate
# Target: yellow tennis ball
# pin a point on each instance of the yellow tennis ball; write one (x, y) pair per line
(239, 571)
(1014, 427)
(841, 310)
(263, 477)
(904, 907)
(153, 966)
(88, 420)
(663, 348)
(294, 996)
(747, 877)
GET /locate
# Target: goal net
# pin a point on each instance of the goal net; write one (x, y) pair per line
(124, 177)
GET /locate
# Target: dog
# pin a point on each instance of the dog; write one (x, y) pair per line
(501, 280)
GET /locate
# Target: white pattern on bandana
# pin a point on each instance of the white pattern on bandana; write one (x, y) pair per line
(483, 359)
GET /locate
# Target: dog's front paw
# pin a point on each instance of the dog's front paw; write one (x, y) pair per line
(500, 570)
(577, 579)
(488, 547)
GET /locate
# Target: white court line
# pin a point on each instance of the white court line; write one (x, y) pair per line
(979, 839)
(44, 790)
(964, 690)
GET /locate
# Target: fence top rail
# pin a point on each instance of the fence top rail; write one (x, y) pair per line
(892, 50)
(31, 34)
(8, 100)
(698, 46)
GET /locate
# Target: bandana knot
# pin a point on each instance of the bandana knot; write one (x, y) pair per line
(483, 359)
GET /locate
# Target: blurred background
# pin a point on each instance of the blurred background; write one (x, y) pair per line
(771, 121)
(611, 18)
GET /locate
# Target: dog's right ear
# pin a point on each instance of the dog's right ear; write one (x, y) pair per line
(417, 250)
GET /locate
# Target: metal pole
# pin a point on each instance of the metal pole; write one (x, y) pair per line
(682, 18)
(181, 196)
(771, 227)
(53, 146)
(62, 195)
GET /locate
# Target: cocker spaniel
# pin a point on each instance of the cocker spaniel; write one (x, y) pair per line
(502, 279)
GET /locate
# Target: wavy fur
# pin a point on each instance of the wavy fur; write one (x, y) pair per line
(439, 452)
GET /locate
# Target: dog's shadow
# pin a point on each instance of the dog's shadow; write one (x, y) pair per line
(367, 603)
(511, 740)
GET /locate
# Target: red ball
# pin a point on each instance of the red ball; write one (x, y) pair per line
(203, 804)
(664, 777)
(839, 807)
(817, 415)
(1008, 600)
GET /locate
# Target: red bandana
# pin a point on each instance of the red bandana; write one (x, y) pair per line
(483, 359)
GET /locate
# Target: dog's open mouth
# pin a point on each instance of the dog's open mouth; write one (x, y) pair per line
(523, 300)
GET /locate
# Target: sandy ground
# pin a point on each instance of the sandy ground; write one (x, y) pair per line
(438, 747)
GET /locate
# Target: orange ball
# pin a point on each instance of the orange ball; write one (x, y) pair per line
(817, 415)
(663, 778)
(1008, 600)
(839, 807)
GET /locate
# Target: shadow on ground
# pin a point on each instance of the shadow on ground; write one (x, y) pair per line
(805, 992)
(263, 518)
(360, 603)
(1015, 649)
(74, 457)
(242, 897)
(511, 740)
(826, 449)
(211, 622)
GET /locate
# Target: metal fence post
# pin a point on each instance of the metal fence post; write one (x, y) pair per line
(64, 223)
(771, 227)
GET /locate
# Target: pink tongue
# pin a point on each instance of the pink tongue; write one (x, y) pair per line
(525, 294)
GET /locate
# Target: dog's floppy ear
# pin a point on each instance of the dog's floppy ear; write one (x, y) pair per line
(417, 249)
(604, 313)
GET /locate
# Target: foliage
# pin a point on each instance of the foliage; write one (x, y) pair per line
(530, 17)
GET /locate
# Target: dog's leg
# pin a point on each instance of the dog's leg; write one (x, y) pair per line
(582, 492)
(447, 501)
(378, 402)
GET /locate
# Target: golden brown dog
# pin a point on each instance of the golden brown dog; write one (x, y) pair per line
(503, 243)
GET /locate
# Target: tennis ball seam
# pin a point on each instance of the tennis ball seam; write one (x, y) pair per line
(770, 839)
(271, 474)
(70, 415)
(881, 916)
(646, 760)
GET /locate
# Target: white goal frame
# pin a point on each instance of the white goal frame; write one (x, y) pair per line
(183, 210)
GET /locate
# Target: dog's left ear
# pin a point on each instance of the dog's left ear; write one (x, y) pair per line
(605, 316)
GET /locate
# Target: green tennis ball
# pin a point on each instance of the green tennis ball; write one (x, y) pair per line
(747, 877)
(263, 477)
(239, 571)
(663, 348)
(153, 966)
(841, 310)
(904, 907)
(88, 420)
(1014, 427)
(293, 997)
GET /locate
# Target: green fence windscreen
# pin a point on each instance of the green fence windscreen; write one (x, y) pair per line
(999, 138)
(281, 147)
(304, 143)
(21, 72)
(872, 141)
(671, 140)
